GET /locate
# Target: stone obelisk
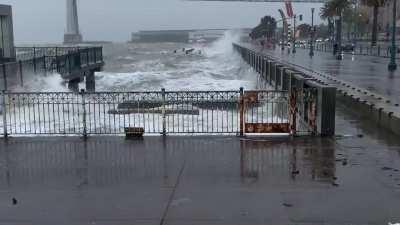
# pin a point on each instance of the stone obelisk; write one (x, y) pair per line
(72, 34)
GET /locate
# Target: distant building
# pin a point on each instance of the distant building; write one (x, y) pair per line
(385, 16)
(72, 34)
(180, 36)
(152, 36)
(7, 49)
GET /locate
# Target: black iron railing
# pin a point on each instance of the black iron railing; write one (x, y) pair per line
(380, 51)
(162, 112)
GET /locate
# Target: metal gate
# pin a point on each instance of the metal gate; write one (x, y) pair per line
(265, 112)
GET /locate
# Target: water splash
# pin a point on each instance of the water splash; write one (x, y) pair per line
(39, 83)
(150, 67)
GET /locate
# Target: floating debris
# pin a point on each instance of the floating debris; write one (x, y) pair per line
(385, 168)
(287, 205)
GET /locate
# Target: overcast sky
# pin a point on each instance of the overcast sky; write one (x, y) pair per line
(44, 20)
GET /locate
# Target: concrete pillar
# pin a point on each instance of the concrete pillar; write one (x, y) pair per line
(286, 73)
(271, 71)
(326, 105)
(90, 81)
(276, 75)
(73, 85)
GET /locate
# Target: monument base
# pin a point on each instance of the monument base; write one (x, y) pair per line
(72, 38)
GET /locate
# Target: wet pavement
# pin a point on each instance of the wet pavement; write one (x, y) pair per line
(352, 178)
(368, 72)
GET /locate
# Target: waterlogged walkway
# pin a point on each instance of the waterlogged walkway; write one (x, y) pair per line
(367, 72)
(353, 178)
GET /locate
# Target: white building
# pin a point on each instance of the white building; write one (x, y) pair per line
(7, 49)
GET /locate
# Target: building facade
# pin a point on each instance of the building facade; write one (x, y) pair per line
(72, 34)
(385, 16)
(7, 49)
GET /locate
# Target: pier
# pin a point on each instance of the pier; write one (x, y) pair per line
(74, 64)
(302, 141)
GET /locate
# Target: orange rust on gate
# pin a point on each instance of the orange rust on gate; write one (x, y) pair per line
(267, 128)
(312, 116)
(251, 98)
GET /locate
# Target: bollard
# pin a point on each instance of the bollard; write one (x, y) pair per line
(34, 60)
(241, 109)
(5, 77)
(21, 74)
(4, 113)
(82, 92)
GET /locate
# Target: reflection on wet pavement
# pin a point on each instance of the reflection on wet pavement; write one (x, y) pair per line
(367, 72)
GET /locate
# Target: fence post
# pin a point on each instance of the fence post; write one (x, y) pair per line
(34, 60)
(4, 113)
(5, 76)
(164, 128)
(87, 56)
(44, 65)
(241, 106)
(84, 113)
(21, 74)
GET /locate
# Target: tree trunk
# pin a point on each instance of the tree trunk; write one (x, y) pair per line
(375, 27)
(330, 28)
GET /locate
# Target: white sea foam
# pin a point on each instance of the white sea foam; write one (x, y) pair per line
(217, 68)
(39, 83)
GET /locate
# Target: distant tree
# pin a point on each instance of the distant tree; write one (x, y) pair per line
(322, 31)
(266, 28)
(375, 4)
(331, 9)
(304, 30)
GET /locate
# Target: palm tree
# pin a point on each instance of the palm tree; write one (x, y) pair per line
(327, 13)
(375, 4)
(331, 9)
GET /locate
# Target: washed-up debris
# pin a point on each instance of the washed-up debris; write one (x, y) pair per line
(385, 168)
(344, 162)
(296, 172)
(335, 184)
(287, 205)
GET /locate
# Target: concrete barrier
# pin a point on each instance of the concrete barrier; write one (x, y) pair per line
(316, 114)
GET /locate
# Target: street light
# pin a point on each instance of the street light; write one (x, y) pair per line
(312, 33)
(294, 31)
(339, 35)
(392, 65)
(294, 35)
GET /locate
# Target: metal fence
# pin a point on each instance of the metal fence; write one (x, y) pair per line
(380, 51)
(34, 60)
(202, 112)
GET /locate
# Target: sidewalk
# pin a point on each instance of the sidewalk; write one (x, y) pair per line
(367, 72)
(353, 178)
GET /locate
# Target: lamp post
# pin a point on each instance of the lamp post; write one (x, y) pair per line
(283, 36)
(339, 35)
(392, 65)
(312, 33)
(294, 35)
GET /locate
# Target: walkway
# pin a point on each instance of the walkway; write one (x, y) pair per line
(351, 179)
(367, 72)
